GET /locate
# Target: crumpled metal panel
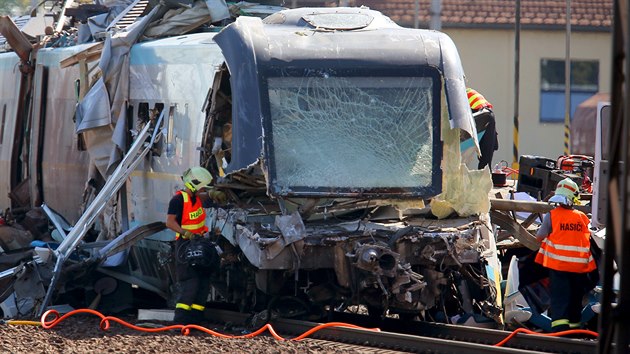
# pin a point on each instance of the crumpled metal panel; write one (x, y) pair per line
(155, 76)
(61, 158)
(291, 226)
(264, 253)
(9, 92)
(252, 49)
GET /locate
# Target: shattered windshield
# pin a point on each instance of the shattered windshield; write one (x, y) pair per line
(367, 133)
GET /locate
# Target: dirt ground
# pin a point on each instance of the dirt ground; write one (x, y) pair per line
(82, 334)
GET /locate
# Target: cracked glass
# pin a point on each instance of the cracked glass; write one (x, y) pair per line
(352, 132)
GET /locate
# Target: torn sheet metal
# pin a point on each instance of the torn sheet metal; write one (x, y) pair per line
(218, 10)
(291, 226)
(264, 252)
(94, 110)
(184, 19)
(98, 24)
(179, 21)
(253, 9)
(114, 66)
(12, 34)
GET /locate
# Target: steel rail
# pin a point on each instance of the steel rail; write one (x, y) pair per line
(437, 339)
(478, 335)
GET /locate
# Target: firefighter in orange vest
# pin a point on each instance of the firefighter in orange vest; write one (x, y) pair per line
(565, 251)
(485, 121)
(187, 218)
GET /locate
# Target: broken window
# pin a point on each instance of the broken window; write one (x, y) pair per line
(143, 112)
(150, 111)
(354, 132)
(217, 136)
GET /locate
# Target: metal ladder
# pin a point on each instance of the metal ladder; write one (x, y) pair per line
(129, 15)
(130, 161)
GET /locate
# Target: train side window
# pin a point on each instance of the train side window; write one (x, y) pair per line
(170, 132)
(146, 114)
(143, 112)
(4, 117)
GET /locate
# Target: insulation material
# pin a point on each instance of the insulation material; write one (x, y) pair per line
(464, 192)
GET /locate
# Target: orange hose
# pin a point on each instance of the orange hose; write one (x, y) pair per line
(509, 171)
(185, 329)
(556, 334)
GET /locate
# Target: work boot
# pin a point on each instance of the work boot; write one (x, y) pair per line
(576, 325)
(197, 316)
(560, 328)
(182, 317)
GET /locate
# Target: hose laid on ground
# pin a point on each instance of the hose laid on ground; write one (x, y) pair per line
(557, 334)
(185, 329)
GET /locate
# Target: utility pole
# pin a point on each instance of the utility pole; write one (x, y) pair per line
(567, 83)
(436, 15)
(416, 14)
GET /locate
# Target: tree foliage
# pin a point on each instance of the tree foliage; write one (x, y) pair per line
(14, 7)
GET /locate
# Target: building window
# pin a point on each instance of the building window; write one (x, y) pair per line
(584, 84)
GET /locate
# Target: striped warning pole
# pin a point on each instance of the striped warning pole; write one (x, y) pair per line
(567, 134)
(517, 66)
(515, 144)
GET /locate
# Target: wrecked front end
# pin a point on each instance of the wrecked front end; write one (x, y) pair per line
(343, 170)
(438, 270)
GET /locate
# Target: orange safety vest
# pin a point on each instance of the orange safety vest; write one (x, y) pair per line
(567, 248)
(476, 100)
(193, 215)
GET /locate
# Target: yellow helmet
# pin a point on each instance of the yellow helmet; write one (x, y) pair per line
(196, 178)
(566, 192)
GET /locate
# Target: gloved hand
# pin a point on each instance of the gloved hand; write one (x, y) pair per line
(217, 196)
(187, 235)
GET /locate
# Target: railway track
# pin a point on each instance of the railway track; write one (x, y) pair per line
(420, 337)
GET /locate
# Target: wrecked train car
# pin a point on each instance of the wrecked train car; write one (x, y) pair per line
(335, 135)
(330, 153)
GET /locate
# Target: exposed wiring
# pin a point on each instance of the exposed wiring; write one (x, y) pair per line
(557, 334)
(186, 329)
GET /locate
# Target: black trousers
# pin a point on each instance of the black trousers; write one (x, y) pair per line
(194, 282)
(567, 291)
(489, 142)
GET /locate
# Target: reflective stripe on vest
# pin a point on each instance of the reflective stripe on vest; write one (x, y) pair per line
(567, 247)
(193, 215)
(476, 100)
